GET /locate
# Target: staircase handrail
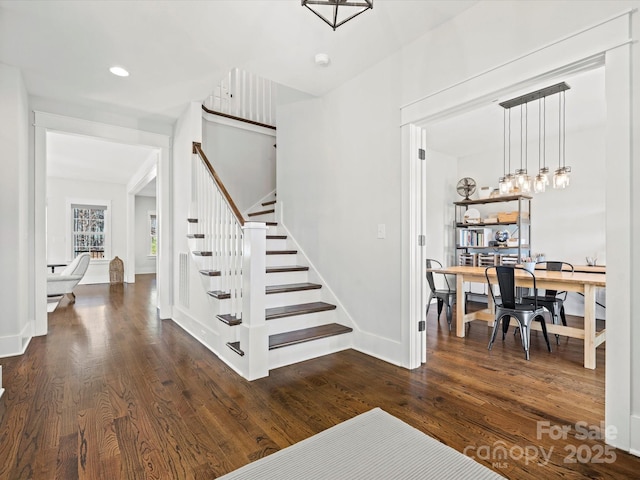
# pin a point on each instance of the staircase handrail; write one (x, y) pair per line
(239, 119)
(197, 148)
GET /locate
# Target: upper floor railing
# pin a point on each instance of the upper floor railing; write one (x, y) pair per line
(244, 96)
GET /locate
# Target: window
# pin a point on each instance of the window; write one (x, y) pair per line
(89, 230)
(153, 234)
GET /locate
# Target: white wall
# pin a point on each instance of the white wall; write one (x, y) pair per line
(338, 179)
(59, 191)
(442, 173)
(245, 161)
(16, 272)
(144, 262)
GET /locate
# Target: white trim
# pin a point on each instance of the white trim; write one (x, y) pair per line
(237, 124)
(619, 246)
(13, 345)
(62, 123)
(54, 122)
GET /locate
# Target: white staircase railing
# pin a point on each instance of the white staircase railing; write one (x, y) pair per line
(246, 96)
(237, 250)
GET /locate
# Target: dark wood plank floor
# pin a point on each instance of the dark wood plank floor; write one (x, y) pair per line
(114, 393)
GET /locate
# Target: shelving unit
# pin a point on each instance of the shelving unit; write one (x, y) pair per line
(475, 241)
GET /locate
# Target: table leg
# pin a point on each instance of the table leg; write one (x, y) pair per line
(460, 330)
(589, 326)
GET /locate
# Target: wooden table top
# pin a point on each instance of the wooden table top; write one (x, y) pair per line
(582, 278)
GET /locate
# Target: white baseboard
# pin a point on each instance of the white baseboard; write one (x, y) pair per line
(1, 389)
(375, 346)
(634, 443)
(13, 345)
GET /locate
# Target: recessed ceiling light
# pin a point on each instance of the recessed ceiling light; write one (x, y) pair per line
(119, 71)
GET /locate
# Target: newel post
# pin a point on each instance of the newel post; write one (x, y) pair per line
(254, 326)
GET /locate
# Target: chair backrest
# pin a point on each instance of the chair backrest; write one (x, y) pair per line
(507, 284)
(431, 263)
(554, 266)
(78, 266)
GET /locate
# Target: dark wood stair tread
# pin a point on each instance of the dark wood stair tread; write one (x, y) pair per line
(195, 235)
(300, 309)
(263, 212)
(286, 339)
(281, 252)
(203, 254)
(270, 289)
(229, 319)
(210, 273)
(235, 346)
(276, 237)
(292, 287)
(192, 220)
(272, 224)
(270, 202)
(287, 268)
(219, 294)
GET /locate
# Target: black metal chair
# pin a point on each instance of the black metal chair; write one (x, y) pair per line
(445, 296)
(552, 300)
(508, 306)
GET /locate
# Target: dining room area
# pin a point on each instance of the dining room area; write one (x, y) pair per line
(549, 140)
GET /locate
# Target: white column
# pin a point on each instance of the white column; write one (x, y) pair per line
(254, 336)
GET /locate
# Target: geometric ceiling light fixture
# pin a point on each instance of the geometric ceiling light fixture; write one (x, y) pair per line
(337, 12)
(561, 176)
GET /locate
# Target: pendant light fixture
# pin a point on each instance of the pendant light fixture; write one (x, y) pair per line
(561, 175)
(506, 182)
(337, 12)
(542, 178)
(521, 181)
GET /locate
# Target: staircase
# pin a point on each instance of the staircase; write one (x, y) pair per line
(300, 322)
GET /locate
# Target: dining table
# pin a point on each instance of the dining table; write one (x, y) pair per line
(585, 283)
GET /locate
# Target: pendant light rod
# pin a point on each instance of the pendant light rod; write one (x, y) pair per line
(530, 97)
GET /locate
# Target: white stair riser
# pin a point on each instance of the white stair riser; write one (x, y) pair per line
(281, 278)
(276, 244)
(298, 322)
(292, 298)
(280, 357)
(281, 260)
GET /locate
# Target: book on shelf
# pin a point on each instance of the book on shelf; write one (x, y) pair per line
(474, 237)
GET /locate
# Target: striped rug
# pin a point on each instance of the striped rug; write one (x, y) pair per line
(373, 445)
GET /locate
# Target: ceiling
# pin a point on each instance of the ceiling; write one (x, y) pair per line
(177, 50)
(83, 158)
(480, 130)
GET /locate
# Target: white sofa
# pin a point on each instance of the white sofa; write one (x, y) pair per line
(64, 283)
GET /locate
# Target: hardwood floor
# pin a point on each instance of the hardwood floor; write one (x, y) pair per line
(114, 393)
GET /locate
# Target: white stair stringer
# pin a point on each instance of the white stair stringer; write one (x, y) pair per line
(201, 322)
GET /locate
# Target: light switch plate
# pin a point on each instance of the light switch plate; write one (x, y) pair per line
(382, 230)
